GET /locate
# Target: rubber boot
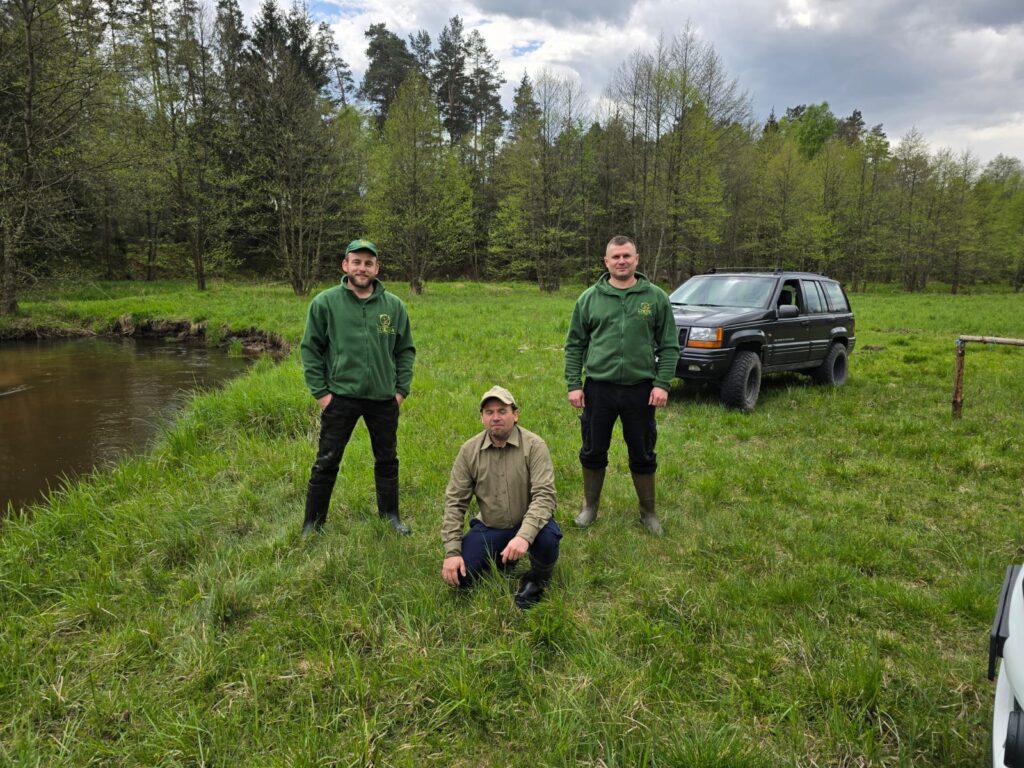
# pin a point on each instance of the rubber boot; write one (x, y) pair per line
(644, 485)
(533, 584)
(317, 500)
(387, 504)
(593, 482)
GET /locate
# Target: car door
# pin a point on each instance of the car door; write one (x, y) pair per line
(789, 343)
(819, 320)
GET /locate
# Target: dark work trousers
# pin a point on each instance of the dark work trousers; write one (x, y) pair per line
(336, 424)
(481, 544)
(606, 402)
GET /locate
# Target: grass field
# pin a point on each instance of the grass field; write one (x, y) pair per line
(821, 597)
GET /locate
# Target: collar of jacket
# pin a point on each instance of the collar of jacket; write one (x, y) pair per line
(604, 285)
(378, 288)
(513, 439)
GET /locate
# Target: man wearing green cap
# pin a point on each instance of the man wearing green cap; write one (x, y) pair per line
(509, 471)
(357, 356)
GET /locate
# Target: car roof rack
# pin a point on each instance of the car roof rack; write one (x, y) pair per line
(765, 270)
(713, 270)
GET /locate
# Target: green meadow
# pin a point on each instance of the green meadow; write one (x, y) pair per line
(822, 595)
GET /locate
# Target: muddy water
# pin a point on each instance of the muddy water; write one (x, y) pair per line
(69, 406)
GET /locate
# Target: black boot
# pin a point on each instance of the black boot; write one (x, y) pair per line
(593, 482)
(532, 585)
(387, 505)
(318, 499)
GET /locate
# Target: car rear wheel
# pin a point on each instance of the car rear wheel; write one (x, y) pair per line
(833, 368)
(742, 384)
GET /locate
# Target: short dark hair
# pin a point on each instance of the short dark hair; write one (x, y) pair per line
(621, 240)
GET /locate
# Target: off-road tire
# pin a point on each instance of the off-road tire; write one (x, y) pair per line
(742, 384)
(833, 368)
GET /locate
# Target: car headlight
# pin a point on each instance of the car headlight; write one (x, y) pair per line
(705, 338)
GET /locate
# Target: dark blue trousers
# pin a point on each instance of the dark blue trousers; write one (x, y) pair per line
(481, 544)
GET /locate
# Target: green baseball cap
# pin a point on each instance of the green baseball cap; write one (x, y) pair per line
(362, 245)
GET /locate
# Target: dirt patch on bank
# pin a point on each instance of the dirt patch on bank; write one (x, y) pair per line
(27, 332)
(254, 341)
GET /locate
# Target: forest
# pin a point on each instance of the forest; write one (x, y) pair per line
(142, 139)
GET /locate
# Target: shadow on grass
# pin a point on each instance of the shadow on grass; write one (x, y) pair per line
(773, 386)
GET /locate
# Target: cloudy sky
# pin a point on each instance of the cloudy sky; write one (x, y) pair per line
(952, 69)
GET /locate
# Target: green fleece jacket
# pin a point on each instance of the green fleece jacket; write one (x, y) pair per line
(358, 347)
(622, 336)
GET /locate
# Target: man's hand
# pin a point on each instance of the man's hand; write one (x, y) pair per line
(399, 398)
(659, 397)
(514, 549)
(324, 401)
(576, 398)
(451, 569)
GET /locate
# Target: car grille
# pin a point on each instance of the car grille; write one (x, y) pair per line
(682, 336)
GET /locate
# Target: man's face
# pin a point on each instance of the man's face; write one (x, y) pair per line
(621, 261)
(498, 419)
(361, 267)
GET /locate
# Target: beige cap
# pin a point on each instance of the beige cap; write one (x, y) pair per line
(501, 394)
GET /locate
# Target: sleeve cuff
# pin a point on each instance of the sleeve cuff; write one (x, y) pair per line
(528, 531)
(453, 547)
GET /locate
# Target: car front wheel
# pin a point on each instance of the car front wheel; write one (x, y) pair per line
(742, 383)
(833, 368)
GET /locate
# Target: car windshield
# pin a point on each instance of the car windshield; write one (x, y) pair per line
(752, 291)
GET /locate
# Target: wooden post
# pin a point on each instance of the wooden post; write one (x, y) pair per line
(958, 368)
(958, 377)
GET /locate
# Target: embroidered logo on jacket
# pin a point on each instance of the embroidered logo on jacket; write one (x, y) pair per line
(384, 325)
(645, 310)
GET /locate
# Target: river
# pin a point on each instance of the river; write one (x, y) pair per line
(67, 407)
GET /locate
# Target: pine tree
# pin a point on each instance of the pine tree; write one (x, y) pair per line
(390, 64)
(298, 142)
(419, 204)
(450, 81)
(52, 90)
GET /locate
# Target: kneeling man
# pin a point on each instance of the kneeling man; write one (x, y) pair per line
(509, 470)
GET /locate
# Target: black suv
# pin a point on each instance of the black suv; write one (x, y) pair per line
(734, 325)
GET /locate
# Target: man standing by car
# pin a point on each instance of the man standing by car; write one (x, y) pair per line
(357, 356)
(509, 470)
(623, 338)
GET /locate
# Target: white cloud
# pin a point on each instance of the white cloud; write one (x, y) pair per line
(953, 68)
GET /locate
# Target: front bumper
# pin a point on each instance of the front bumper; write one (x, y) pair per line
(703, 364)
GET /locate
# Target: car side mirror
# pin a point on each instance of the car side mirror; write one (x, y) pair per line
(788, 310)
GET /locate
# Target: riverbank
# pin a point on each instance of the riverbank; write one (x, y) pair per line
(85, 312)
(822, 594)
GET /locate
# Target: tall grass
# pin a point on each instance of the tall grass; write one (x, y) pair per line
(821, 596)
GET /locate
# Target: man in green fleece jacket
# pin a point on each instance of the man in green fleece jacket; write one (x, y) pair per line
(357, 356)
(623, 337)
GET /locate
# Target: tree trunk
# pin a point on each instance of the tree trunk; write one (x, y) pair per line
(200, 270)
(548, 282)
(9, 295)
(108, 250)
(150, 246)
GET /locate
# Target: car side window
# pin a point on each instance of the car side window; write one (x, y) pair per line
(836, 299)
(812, 296)
(788, 294)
